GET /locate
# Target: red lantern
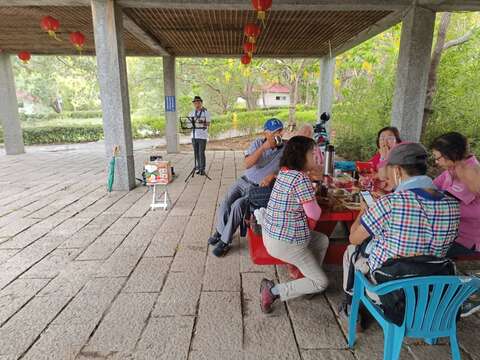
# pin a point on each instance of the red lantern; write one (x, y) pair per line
(77, 39)
(24, 56)
(50, 25)
(249, 48)
(246, 59)
(261, 6)
(251, 31)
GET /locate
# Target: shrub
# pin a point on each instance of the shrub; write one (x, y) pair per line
(61, 134)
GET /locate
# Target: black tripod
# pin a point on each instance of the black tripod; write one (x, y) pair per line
(192, 123)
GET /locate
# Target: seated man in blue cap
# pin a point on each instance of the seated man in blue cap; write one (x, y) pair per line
(262, 161)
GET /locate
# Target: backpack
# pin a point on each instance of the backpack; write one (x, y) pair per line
(393, 304)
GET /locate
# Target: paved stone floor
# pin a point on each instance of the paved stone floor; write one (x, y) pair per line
(90, 275)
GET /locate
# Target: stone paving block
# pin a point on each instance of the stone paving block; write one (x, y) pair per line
(119, 265)
(81, 239)
(437, 352)
(17, 226)
(62, 342)
(214, 324)
(52, 265)
(223, 274)
(265, 336)
(163, 244)
(174, 224)
(465, 328)
(122, 226)
(327, 355)
(166, 339)
(25, 238)
(17, 294)
(24, 327)
(70, 226)
(102, 247)
(179, 295)
(189, 259)
(216, 355)
(148, 276)
(7, 254)
(71, 279)
(90, 303)
(140, 208)
(122, 326)
(184, 208)
(314, 322)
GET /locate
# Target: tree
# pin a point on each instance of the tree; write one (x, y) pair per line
(440, 47)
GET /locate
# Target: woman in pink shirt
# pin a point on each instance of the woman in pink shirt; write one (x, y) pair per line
(451, 153)
(387, 138)
(460, 179)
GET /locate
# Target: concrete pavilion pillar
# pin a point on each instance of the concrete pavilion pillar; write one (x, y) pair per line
(170, 103)
(12, 131)
(112, 77)
(326, 87)
(412, 72)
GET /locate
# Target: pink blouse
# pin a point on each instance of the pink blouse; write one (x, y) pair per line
(469, 230)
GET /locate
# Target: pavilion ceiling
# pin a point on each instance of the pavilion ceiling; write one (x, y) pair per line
(191, 32)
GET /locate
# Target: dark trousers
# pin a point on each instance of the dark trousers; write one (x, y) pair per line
(199, 146)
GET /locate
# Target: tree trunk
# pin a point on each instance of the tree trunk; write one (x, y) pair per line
(294, 96)
(432, 74)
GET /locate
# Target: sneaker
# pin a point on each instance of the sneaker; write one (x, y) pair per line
(221, 249)
(266, 297)
(214, 239)
(470, 307)
(344, 310)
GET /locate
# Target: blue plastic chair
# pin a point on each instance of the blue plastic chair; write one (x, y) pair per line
(431, 315)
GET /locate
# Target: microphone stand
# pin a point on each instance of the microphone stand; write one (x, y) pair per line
(193, 125)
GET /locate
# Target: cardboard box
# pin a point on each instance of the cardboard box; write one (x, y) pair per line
(158, 172)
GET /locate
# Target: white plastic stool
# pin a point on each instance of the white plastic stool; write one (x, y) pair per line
(160, 198)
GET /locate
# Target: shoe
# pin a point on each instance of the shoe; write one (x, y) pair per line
(197, 172)
(214, 239)
(266, 297)
(470, 307)
(221, 249)
(344, 310)
(201, 172)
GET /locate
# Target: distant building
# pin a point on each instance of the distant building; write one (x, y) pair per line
(29, 104)
(274, 95)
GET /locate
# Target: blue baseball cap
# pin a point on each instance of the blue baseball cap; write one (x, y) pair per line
(273, 125)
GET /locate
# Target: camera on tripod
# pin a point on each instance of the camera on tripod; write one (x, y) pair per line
(320, 132)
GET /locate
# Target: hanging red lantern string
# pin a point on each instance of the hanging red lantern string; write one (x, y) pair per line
(262, 6)
(249, 48)
(78, 40)
(50, 25)
(24, 56)
(251, 31)
(246, 59)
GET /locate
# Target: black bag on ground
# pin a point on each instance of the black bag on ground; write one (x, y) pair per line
(393, 304)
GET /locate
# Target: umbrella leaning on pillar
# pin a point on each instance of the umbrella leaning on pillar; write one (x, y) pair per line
(111, 168)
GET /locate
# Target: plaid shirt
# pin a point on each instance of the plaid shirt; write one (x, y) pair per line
(285, 218)
(409, 223)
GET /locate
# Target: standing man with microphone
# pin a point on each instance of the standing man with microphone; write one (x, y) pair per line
(200, 136)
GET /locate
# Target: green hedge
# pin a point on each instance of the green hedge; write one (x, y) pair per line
(88, 114)
(60, 134)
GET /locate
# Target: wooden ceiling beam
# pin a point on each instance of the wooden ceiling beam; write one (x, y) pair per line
(144, 37)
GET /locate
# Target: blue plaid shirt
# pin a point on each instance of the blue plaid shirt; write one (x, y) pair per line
(285, 218)
(409, 223)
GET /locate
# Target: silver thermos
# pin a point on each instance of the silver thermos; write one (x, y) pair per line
(329, 161)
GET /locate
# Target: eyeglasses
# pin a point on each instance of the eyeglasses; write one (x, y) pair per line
(436, 159)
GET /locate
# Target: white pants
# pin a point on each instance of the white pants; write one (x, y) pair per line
(307, 257)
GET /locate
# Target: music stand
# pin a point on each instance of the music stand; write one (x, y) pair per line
(191, 123)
